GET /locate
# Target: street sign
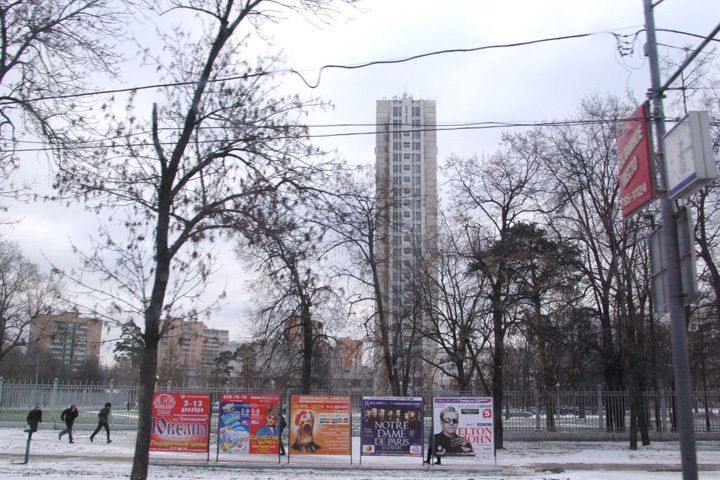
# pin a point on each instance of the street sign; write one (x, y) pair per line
(688, 267)
(689, 161)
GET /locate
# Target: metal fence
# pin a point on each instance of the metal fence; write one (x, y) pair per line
(560, 411)
(604, 411)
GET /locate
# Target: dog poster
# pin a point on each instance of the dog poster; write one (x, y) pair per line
(463, 426)
(392, 426)
(249, 424)
(319, 424)
(180, 422)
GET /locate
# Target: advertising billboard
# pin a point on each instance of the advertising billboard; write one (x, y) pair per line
(463, 426)
(635, 172)
(319, 424)
(180, 422)
(249, 424)
(392, 426)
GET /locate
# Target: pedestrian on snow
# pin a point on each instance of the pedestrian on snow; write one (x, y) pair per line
(68, 416)
(430, 450)
(103, 415)
(33, 418)
(282, 426)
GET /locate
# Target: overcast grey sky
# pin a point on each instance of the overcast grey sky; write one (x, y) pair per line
(528, 83)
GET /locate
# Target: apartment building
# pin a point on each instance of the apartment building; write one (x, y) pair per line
(70, 338)
(406, 185)
(187, 350)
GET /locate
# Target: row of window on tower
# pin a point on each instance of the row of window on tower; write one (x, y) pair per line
(406, 145)
(398, 111)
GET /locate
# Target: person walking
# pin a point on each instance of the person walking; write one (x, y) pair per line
(103, 415)
(33, 418)
(282, 426)
(430, 451)
(68, 416)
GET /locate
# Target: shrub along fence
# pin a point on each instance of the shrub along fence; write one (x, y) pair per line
(590, 414)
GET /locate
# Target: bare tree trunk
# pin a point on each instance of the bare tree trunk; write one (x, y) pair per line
(498, 354)
(147, 388)
(308, 339)
(633, 421)
(148, 368)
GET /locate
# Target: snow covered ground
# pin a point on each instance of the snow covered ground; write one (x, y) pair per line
(50, 458)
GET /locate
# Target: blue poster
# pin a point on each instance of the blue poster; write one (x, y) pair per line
(234, 427)
(392, 426)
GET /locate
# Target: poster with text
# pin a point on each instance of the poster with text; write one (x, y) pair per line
(391, 426)
(463, 426)
(249, 424)
(180, 422)
(319, 424)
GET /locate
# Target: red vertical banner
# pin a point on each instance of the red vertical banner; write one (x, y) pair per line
(180, 422)
(635, 173)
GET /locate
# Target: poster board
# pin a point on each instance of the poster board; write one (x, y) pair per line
(180, 422)
(391, 426)
(463, 426)
(320, 424)
(249, 424)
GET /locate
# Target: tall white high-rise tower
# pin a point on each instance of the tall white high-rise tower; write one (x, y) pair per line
(406, 180)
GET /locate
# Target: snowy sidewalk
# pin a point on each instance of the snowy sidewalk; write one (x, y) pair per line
(522, 460)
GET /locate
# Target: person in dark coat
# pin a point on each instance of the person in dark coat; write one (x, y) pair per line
(68, 416)
(103, 415)
(282, 426)
(430, 451)
(33, 418)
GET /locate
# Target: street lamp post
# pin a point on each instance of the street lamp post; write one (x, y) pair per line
(678, 320)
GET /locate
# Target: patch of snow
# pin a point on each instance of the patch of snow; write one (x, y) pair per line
(54, 459)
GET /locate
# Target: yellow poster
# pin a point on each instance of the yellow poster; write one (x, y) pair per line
(320, 424)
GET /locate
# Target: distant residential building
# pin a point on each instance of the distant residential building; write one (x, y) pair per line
(214, 341)
(350, 351)
(70, 338)
(348, 371)
(187, 350)
(294, 329)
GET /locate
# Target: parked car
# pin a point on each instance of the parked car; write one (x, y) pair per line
(518, 412)
(569, 410)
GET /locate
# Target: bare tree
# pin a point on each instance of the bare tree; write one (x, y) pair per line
(700, 91)
(288, 259)
(489, 197)
(706, 205)
(25, 293)
(454, 303)
(632, 300)
(218, 148)
(47, 49)
(580, 164)
(353, 215)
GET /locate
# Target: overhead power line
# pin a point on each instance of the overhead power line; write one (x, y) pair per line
(680, 32)
(247, 75)
(448, 127)
(437, 52)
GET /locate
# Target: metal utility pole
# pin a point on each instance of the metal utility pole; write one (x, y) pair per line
(678, 321)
